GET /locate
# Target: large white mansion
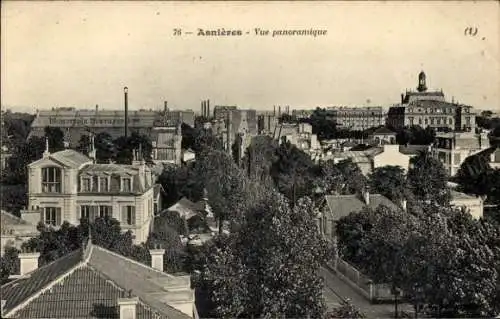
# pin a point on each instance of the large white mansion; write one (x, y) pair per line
(68, 186)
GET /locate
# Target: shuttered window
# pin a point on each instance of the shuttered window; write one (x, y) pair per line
(128, 215)
(88, 212)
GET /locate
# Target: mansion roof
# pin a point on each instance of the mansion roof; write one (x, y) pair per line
(70, 158)
(87, 283)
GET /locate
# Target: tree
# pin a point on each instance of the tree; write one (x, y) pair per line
(389, 181)
(9, 264)
(344, 177)
(275, 276)
(180, 181)
(427, 179)
(84, 144)
(55, 137)
(23, 155)
(106, 232)
(293, 172)
(105, 149)
(345, 311)
(167, 236)
(225, 184)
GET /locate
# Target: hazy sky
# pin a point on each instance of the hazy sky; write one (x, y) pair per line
(83, 53)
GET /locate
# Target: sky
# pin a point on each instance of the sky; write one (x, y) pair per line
(79, 54)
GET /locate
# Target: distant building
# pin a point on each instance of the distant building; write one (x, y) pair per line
(356, 118)
(302, 114)
(167, 144)
(232, 124)
(453, 148)
(267, 123)
(74, 123)
(93, 282)
(298, 134)
(68, 186)
(429, 109)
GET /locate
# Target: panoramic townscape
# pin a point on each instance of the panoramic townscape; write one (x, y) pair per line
(239, 211)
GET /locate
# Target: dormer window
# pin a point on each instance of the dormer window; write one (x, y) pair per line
(126, 184)
(51, 180)
(103, 184)
(86, 184)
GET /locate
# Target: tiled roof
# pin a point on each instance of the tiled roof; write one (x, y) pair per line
(185, 208)
(342, 205)
(70, 158)
(78, 287)
(110, 168)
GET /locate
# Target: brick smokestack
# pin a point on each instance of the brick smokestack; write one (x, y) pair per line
(165, 106)
(203, 108)
(279, 111)
(125, 92)
(208, 108)
(274, 110)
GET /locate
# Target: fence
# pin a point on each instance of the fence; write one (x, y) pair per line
(360, 282)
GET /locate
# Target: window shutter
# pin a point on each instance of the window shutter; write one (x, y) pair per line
(124, 215)
(133, 215)
(58, 216)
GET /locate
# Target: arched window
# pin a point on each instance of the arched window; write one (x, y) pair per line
(51, 180)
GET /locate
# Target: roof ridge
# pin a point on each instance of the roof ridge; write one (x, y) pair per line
(131, 260)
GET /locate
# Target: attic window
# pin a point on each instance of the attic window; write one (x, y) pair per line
(126, 184)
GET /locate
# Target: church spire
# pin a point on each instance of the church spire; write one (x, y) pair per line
(422, 86)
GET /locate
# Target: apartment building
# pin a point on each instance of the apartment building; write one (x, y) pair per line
(68, 186)
(298, 134)
(453, 148)
(356, 118)
(167, 144)
(430, 109)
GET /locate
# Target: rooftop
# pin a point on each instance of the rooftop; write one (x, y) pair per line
(71, 158)
(383, 131)
(460, 196)
(342, 205)
(87, 283)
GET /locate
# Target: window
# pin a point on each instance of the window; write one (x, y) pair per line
(155, 208)
(426, 121)
(450, 121)
(419, 121)
(432, 121)
(52, 216)
(103, 184)
(105, 211)
(438, 121)
(126, 184)
(86, 184)
(467, 120)
(456, 159)
(128, 215)
(88, 212)
(51, 180)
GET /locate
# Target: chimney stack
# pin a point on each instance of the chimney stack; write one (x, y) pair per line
(279, 111)
(165, 107)
(125, 92)
(203, 108)
(128, 307)
(157, 258)
(366, 195)
(274, 110)
(28, 261)
(92, 151)
(96, 108)
(208, 108)
(402, 98)
(46, 153)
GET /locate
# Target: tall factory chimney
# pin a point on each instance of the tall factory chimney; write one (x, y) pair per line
(274, 110)
(279, 110)
(125, 91)
(165, 107)
(208, 108)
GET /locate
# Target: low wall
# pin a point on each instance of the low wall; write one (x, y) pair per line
(360, 282)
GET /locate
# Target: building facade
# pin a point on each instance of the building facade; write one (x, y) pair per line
(167, 144)
(356, 118)
(453, 148)
(68, 186)
(430, 109)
